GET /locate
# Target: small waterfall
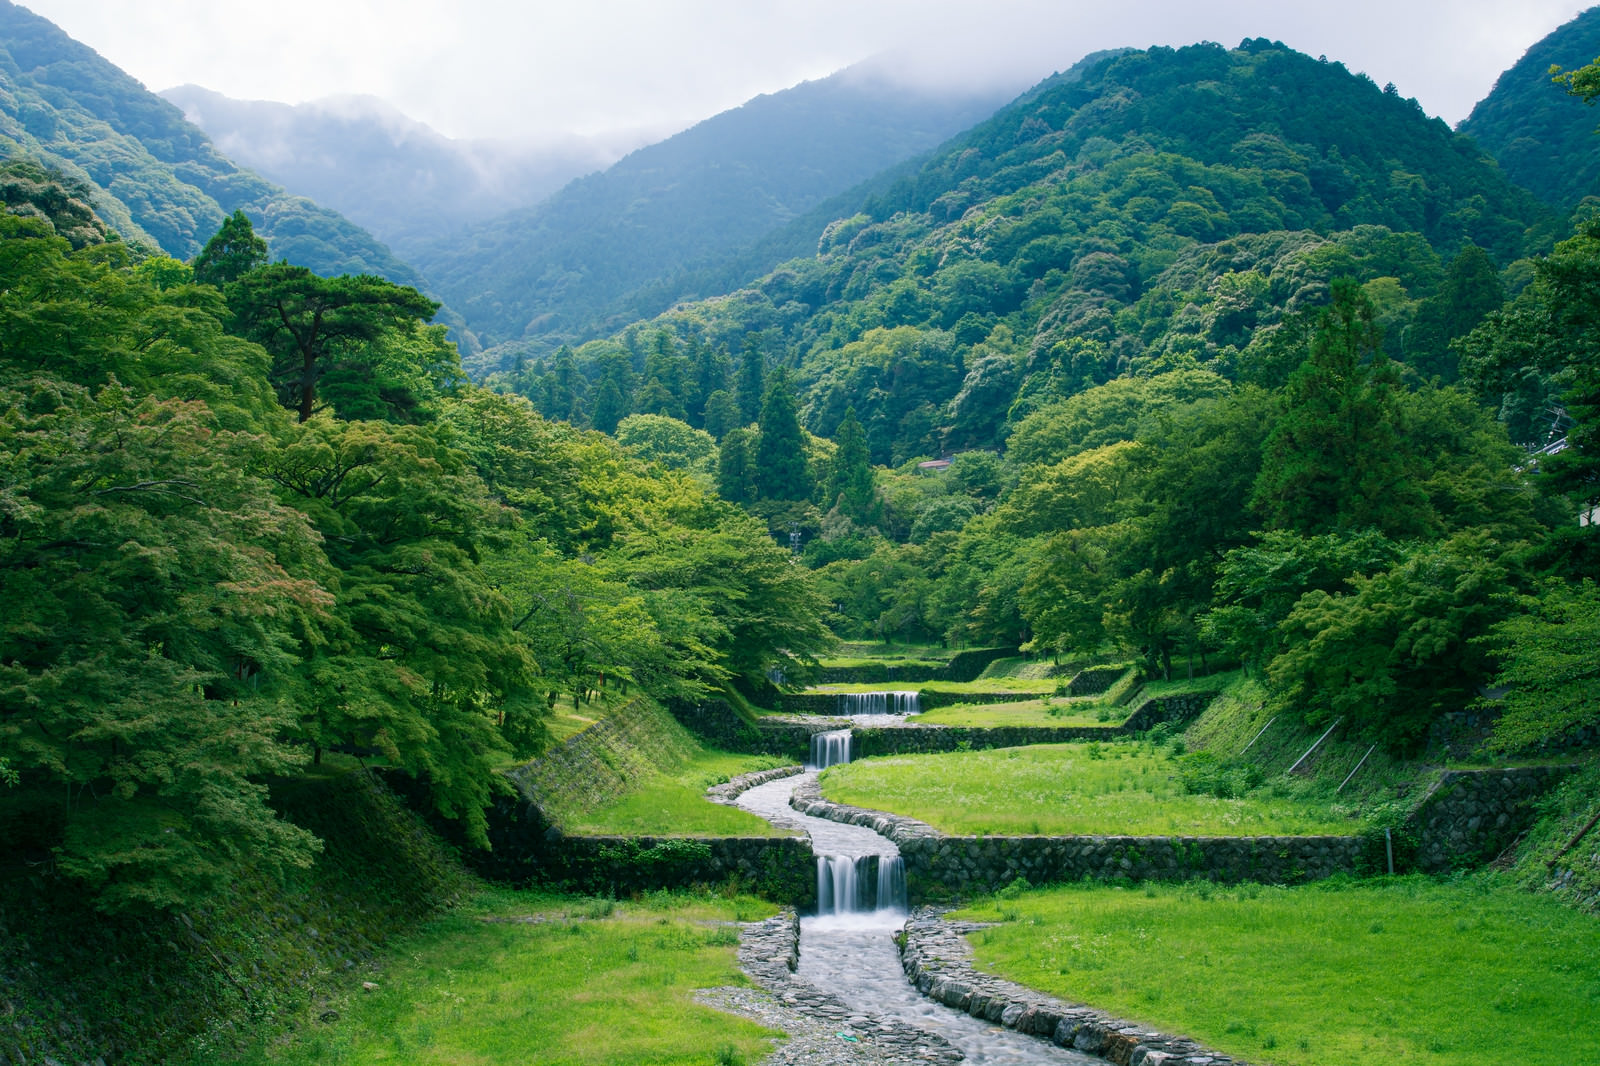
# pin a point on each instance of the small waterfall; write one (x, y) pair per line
(840, 884)
(860, 884)
(829, 749)
(892, 884)
(896, 703)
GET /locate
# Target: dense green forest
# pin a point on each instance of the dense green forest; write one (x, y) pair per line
(249, 514)
(156, 179)
(1539, 139)
(1230, 353)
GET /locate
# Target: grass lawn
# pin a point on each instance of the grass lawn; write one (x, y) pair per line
(1042, 686)
(1341, 973)
(675, 804)
(520, 978)
(1083, 711)
(1125, 788)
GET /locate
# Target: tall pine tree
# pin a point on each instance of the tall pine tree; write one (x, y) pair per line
(780, 449)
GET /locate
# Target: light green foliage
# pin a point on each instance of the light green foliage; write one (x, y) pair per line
(1120, 788)
(1400, 647)
(1259, 584)
(1549, 664)
(674, 444)
(1251, 971)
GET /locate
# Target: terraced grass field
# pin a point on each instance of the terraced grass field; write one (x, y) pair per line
(1339, 973)
(1127, 788)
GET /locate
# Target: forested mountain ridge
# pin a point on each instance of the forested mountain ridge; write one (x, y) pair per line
(156, 179)
(1153, 213)
(563, 270)
(399, 178)
(1541, 141)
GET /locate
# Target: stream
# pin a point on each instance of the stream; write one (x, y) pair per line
(848, 947)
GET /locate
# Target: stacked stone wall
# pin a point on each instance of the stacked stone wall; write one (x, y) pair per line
(1095, 680)
(1175, 709)
(938, 960)
(940, 867)
(1471, 816)
(594, 767)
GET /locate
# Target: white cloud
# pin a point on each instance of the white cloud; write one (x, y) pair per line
(499, 67)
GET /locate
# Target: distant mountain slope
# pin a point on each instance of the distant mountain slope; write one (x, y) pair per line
(543, 274)
(399, 178)
(156, 179)
(1544, 139)
(1160, 211)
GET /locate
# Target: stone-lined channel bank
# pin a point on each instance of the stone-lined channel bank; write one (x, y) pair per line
(852, 953)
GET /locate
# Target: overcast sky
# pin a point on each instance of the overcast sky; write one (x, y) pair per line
(535, 68)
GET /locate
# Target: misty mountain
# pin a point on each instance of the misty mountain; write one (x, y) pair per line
(560, 270)
(155, 178)
(1544, 139)
(400, 178)
(1165, 210)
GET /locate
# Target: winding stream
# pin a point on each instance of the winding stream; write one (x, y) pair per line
(848, 947)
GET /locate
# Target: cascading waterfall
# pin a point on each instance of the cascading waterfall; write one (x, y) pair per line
(848, 946)
(895, 703)
(843, 884)
(829, 749)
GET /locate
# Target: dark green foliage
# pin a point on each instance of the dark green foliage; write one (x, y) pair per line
(344, 335)
(231, 253)
(736, 467)
(1471, 290)
(1332, 460)
(1542, 138)
(780, 458)
(141, 987)
(850, 486)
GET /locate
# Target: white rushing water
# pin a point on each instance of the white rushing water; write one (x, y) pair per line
(829, 749)
(878, 708)
(848, 947)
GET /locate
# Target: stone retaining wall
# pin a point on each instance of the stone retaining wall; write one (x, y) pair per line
(936, 739)
(1470, 816)
(940, 867)
(1175, 709)
(938, 960)
(783, 869)
(1095, 680)
(594, 767)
